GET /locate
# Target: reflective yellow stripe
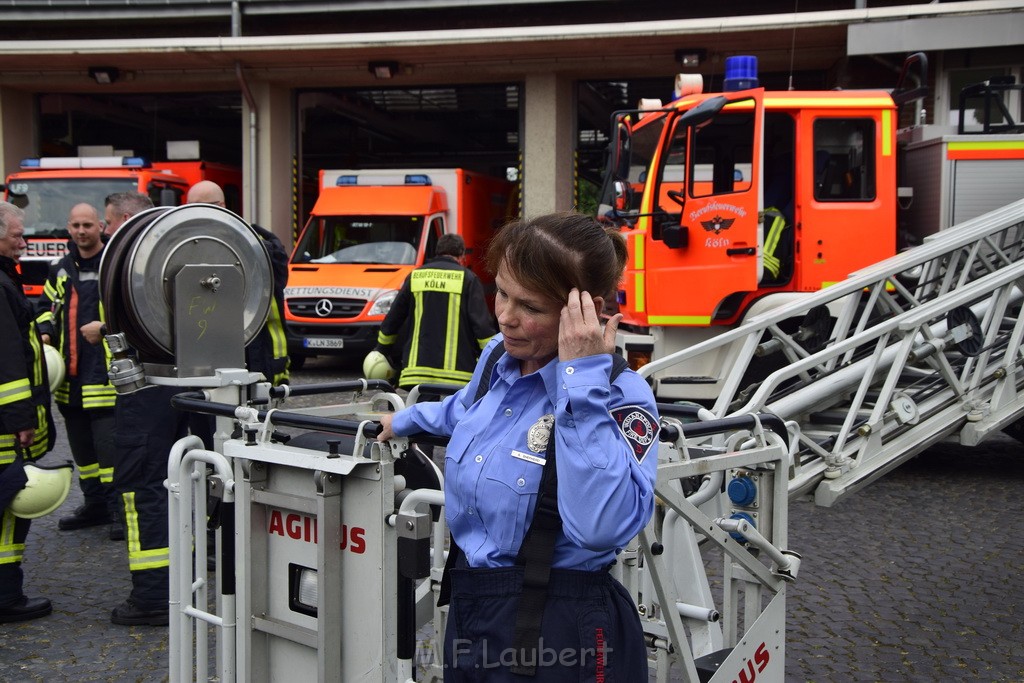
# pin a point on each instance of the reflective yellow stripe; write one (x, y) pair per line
(10, 552)
(417, 316)
(679, 319)
(887, 133)
(386, 339)
(981, 145)
(139, 559)
(278, 339)
(482, 343)
(639, 255)
(419, 375)
(89, 471)
(149, 559)
(106, 475)
(451, 338)
(640, 303)
(18, 390)
(828, 102)
(40, 440)
(639, 260)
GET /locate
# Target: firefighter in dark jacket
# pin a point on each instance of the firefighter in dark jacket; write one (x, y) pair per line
(71, 298)
(26, 430)
(439, 322)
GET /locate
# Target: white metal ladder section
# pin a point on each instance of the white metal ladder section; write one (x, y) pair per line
(894, 375)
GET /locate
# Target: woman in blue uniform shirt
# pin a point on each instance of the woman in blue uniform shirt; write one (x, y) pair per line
(552, 274)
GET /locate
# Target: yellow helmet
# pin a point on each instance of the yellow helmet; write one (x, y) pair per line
(54, 366)
(46, 490)
(376, 366)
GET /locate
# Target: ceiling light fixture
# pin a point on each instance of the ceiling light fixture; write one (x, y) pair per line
(104, 75)
(691, 58)
(383, 70)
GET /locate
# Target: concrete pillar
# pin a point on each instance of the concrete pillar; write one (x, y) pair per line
(271, 204)
(548, 144)
(18, 131)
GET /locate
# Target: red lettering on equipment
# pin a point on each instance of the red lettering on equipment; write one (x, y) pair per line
(304, 528)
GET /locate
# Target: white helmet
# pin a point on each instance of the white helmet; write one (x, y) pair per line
(46, 490)
(54, 366)
(376, 366)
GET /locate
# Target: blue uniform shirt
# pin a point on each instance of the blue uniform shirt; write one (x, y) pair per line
(606, 447)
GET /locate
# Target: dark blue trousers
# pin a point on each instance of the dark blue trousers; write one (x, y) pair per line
(590, 630)
(147, 427)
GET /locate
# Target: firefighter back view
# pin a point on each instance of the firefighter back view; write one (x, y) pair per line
(26, 429)
(439, 321)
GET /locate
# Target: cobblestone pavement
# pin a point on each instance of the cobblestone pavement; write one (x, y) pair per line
(919, 577)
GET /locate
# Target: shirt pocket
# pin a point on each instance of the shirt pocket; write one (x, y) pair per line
(507, 495)
(453, 476)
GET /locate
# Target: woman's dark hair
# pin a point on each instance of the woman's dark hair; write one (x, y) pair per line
(552, 254)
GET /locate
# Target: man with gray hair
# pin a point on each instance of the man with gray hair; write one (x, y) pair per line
(26, 428)
(121, 206)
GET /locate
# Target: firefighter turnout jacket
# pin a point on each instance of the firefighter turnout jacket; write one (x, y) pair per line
(268, 350)
(71, 298)
(440, 315)
(24, 387)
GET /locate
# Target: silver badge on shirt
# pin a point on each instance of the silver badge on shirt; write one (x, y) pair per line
(540, 432)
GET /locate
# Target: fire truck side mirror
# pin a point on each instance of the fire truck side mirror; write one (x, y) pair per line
(16, 198)
(623, 195)
(702, 114)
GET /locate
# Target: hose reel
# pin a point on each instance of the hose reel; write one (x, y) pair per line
(187, 288)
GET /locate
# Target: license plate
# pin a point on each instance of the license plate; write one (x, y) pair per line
(323, 343)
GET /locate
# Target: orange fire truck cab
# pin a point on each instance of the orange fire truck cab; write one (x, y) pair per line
(737, 202)
(47, 187)
(822, 163)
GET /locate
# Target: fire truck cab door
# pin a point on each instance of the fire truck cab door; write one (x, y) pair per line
(705, 236)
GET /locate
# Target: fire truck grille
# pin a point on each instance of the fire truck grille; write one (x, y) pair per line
(327, 308)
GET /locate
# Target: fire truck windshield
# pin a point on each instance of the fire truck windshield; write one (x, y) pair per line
(47, 201)
(392, 240)
(631, 154)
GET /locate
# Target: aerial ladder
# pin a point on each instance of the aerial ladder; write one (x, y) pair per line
(330, 545)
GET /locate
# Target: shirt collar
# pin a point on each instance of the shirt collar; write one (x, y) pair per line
(507, 369)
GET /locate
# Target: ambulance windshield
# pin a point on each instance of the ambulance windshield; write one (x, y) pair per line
(391, 240)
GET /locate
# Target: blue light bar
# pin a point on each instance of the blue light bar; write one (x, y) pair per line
(30, 163)
(740, 73)
(347, 180)
(418, 179)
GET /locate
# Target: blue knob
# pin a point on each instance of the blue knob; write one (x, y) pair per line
(741, 515)
(742, 491)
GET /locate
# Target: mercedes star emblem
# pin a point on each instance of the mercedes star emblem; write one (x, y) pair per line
(324, 307)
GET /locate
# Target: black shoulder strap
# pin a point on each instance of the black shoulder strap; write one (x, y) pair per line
(485, 377)
(536, 553)
(454, 552)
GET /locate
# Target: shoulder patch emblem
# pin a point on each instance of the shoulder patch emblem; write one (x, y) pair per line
(639, 427)
(539, 433)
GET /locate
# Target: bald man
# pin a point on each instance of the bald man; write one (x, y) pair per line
(71, 298)
(205, 192)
